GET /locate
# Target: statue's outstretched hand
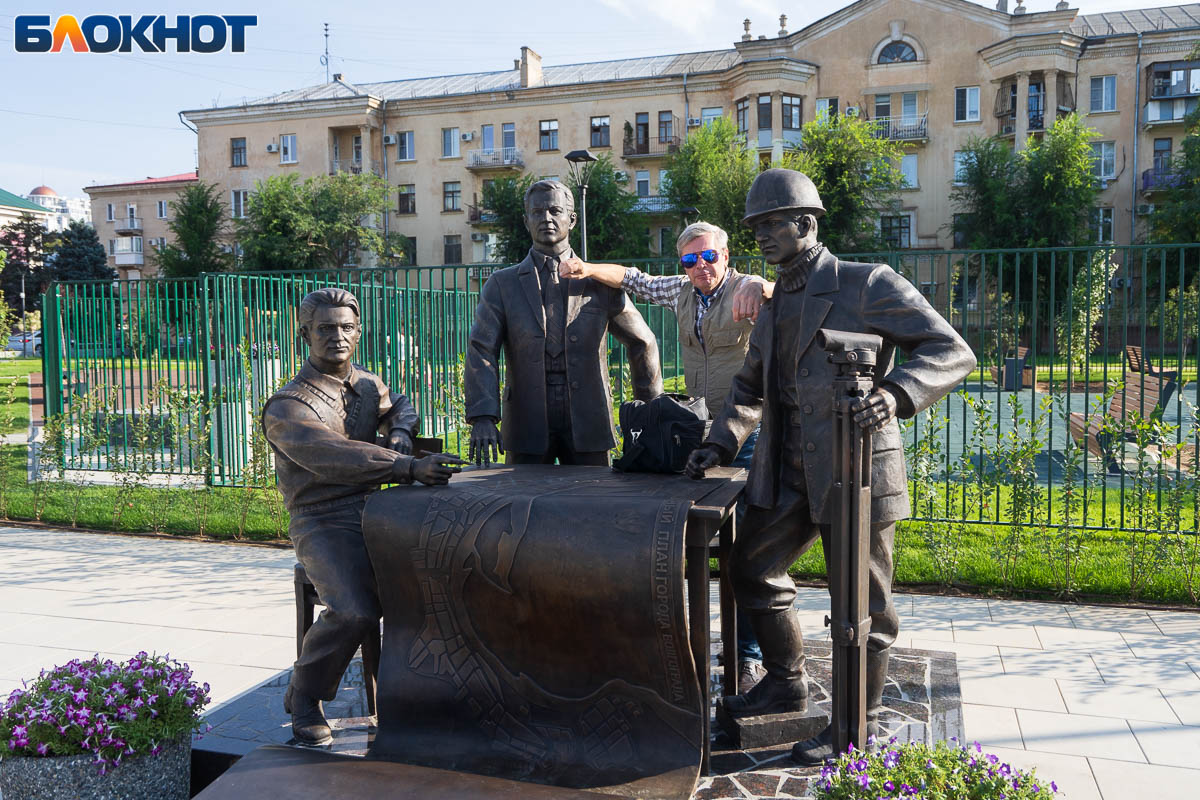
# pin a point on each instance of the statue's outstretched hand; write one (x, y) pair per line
(701, 459)
(875, 410)
(401, 441)
(486, 446)
(436, 469)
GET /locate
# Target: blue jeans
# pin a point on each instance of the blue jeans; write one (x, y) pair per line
(747, 643)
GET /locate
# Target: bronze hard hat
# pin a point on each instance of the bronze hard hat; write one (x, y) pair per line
(779, 190)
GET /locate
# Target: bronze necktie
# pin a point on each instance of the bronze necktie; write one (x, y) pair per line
(555, 310)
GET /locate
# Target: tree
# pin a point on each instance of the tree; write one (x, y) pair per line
(504, 199)
(615, 229)
(983, 189)
(1176, 215)
(198, 229)
(79, 256)
(320, 223)
(712, 171)
(27, 243)
(1058, 189)
(856, 173)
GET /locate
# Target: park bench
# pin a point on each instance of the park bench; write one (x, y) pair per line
(1142, 393)
(1137, 363)
(1015, 363)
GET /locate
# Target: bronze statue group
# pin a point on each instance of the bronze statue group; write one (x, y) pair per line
(338, 433)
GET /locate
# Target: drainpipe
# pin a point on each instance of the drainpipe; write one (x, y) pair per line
(387, 193)
(1137, 124)
(687, 114)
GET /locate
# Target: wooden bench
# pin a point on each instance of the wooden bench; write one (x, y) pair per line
(1137, 363)
(1018, 361)
(1142, 393)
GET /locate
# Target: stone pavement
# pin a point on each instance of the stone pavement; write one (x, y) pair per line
(1105, 701)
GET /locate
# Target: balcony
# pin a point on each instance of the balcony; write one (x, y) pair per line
(128, 226)
(129, 259)
(496, 158)
(904, 129)
(1155, 179)
(1174, 79)
(792, 138)
(1165, 112)
(355, 166)
(653, 204)
(480, 216)
(650, 147)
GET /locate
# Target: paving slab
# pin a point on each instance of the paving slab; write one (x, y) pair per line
(1121, 780)
(1072, 774)
(1079, 735)
(1170, 745)
(1048, 664)
(1097, 698)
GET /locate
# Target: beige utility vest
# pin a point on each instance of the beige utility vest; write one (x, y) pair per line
(708, 371)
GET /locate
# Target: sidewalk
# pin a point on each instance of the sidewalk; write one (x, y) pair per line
(1105, 701)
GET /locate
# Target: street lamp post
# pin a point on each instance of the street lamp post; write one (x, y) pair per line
(582, 163)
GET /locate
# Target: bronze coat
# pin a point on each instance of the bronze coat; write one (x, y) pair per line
(510, 315)
(848, 296)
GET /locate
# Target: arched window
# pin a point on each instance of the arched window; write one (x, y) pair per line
(896, 52)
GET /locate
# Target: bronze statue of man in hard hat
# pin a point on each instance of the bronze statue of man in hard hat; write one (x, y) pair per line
(786, 381)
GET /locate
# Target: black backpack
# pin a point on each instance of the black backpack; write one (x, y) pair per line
(659, 435)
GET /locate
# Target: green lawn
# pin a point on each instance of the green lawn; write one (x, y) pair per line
(14, 417)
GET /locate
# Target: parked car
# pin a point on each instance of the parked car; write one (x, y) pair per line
(27, 343)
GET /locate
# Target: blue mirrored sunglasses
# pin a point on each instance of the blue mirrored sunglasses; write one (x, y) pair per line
(690, 260)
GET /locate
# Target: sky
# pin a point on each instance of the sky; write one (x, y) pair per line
(69, 120)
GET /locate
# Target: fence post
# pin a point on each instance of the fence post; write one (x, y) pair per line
(52, 339)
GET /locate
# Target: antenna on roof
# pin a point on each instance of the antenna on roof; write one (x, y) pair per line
(325, 58)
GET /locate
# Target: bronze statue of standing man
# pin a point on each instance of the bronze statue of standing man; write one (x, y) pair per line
(786, 381)
(323, 427)
(557, 403)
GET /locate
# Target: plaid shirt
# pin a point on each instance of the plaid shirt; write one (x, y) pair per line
(664, 290)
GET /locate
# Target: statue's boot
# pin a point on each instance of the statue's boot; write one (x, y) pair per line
(819, 749)
(309, 725)
(785, 686)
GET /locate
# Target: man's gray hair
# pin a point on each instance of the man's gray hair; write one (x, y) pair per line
(551, 186)
(334, 298)
(698, 229)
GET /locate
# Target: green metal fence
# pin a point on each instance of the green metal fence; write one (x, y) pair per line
(168, 376)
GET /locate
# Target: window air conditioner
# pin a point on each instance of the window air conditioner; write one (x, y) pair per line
(389, 138)
(694, 122)
(478, 237)
(621, 176)
(1145, 208)
(468, 136)
(851, 111)
(272, 148)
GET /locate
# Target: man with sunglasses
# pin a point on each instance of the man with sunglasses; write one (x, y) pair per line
(785, 384)
(715, 307)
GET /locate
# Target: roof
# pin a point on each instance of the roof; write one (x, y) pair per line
(1142, 20)
(10, 200)
(474, 82)
(44, 191)
(183, 176)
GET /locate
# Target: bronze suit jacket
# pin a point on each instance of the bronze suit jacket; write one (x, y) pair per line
(847, 296)
(510, 315)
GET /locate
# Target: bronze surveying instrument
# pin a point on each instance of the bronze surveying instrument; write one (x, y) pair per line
(853, 355)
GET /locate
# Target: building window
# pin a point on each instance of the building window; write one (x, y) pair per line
(112, 247)
(896, 52)
(600, 132)
(643, 183)
(357, 145)
(960, 167)
(1102, 225)
(827, 107)
(1104, 93)
(404, 146)
(410, 251)
(487, 138)
(109, 213)
(162, 209)
(452, 249)
(1162, 156)
(883, 106)
(406, 201)
(666, 126)
(287, 149)
(908, 170)
(764, 112)
(666, 241)
(237, 203)
(451, 196)
(896, 230)
(791, 112)
(548, 134)
(664, 180)
(237, 152)
(707, 115)
(508, 135)
(1104, 160)
(449, 142)
(131, 211)
(960, 231)
(966, 104)
(742, 110)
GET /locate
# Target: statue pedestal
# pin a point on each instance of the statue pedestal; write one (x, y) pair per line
(747, 733)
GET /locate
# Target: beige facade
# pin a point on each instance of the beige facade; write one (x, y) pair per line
(131, 220)
(930, 73)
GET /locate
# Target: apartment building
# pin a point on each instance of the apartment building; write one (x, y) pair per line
(930, 74)
(64, 210)
(132, 217)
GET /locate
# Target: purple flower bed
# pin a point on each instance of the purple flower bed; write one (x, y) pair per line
(111, 710)
(916, 770)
